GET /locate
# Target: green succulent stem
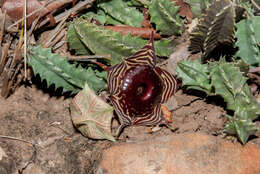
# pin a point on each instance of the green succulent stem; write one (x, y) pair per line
(226, 80)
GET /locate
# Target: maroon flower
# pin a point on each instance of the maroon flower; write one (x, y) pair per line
(137, 88)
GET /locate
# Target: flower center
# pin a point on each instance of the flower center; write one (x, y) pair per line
(141, 90)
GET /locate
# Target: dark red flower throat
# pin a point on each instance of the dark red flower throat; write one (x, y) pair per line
(137, 88)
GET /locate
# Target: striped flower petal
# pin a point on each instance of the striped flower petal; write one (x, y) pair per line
(137, 88)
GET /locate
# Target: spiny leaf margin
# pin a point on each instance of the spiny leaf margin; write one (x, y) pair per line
(248, 36)
(58, 71)
(119, 10)
(102, 41)
(216, 27)
(164, 13)
(75, 43)
(194, 75)
(224, 79)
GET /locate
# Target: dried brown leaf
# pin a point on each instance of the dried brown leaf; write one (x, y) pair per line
(14, 9)
(184, 10)
(91, 115)
(146, 21)
(134, 31)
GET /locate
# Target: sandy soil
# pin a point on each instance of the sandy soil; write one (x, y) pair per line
(56, 147)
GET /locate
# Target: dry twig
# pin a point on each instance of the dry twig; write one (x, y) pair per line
(2, 28)
(34, 24)
(29, 15)
(254, 70)
(53, 35)
(25, 39)
(255, 5)
(14, 138)
(33, 145)
(77, 8)
(4, 56)
(254, 76)
(87, 58)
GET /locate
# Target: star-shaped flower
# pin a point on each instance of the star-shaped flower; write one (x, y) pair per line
(138, 87)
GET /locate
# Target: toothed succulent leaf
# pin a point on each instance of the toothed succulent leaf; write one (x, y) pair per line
(137, 3)
(119, 10)
(198, 6)
(75, 43)
(224, 79)
(229, 83)
(164, 13)
(215, 28)
(102, 41)
(162, 47)
(102, 17)
(194, 75)
(248, 36)
(241, 127)
(58, 71)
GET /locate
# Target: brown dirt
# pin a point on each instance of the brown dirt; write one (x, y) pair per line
(32, 115)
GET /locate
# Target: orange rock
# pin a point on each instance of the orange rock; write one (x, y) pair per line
(166, 113)
(181, 154)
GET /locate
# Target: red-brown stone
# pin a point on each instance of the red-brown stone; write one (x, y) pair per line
(181, 154)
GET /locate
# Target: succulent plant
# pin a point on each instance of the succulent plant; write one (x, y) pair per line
(216, 29)
(137, 88)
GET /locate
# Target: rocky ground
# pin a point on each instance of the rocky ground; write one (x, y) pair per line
(37, 136)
